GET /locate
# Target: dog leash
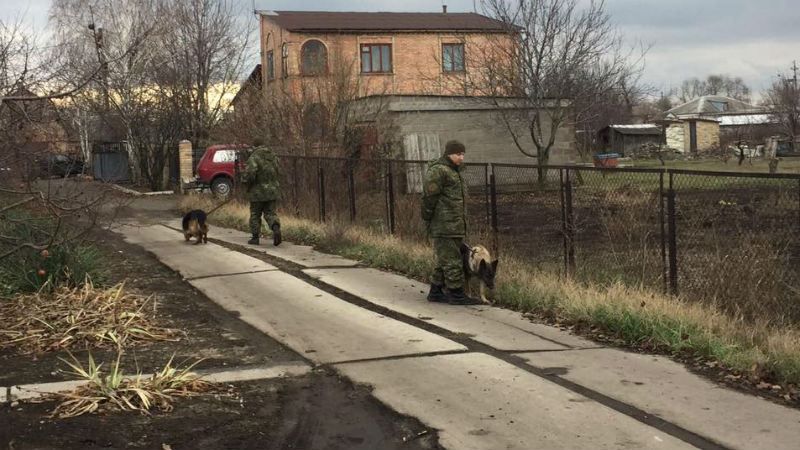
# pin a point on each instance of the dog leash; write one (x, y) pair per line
(219, 206)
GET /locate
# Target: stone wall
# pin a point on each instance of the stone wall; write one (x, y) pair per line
(707, 135)
(675, 137)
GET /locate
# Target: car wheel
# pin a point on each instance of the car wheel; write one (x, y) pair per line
(222, 187)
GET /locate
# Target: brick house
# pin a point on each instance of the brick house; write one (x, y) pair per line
(422, 70)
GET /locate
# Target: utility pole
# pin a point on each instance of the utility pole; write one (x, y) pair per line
(794, 71)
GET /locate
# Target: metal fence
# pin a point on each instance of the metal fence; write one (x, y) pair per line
(727, 238)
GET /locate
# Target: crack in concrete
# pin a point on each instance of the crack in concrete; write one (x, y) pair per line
(222, 275)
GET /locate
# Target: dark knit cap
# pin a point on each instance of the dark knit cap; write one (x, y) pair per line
(453, 147)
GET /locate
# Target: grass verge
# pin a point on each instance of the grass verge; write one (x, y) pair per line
(632, 316)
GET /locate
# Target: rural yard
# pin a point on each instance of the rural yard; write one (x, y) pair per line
(353, 357)
(456, 225)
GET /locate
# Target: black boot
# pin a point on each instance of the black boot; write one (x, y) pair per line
(276, 234)
(436, 294)
(458, 297)
(253, 240)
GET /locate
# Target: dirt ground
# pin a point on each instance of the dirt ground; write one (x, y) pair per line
(317, 411)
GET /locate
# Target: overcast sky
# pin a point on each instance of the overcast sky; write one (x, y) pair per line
(753, 39)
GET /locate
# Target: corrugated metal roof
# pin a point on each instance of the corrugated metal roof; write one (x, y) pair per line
(383, 21)
(746, 119)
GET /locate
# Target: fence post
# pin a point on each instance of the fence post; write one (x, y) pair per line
(488, 196)
(321, 173)
(351, 190)
(569, 222)
(296, 181)
(673, 239)
(493, 212)
(390, 196)
(662, 224)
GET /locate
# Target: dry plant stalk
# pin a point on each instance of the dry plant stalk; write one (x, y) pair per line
(85, 316)
(115, 391)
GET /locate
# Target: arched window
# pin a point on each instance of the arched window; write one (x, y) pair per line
(314, 58)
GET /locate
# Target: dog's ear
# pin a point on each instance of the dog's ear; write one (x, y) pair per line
(494, 265)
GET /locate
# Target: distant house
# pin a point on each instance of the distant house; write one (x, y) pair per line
(628, 138)
(417, 69)
(736, 121)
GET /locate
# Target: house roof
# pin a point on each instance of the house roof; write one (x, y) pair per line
(253, 81)
(712, 105)
(746, 119)
(383, 21)
(637, 129)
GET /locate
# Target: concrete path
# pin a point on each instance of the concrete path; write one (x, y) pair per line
(485, 377)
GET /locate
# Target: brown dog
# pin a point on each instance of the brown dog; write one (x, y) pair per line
(194, 225)
(478, 263)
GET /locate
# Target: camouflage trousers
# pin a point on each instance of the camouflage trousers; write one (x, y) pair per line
(268, 209)
(449, 269)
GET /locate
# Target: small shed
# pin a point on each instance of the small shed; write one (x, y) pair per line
(692, 134)
(627, 138)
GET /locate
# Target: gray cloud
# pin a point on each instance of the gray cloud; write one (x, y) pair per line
(690, 38)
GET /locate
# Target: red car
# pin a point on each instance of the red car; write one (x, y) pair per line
(216, 169)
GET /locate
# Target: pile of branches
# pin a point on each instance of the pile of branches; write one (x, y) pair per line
(82, 317)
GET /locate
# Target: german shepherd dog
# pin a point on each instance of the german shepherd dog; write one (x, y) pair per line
(194, 225)
(478, 262)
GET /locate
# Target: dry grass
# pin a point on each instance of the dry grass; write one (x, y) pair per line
(115, 391)
(84, 317)
(635, 316)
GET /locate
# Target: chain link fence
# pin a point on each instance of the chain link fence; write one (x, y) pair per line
(717, 237)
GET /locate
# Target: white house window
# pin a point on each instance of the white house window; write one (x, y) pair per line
(719, 106)
(376, 58)
(453, 57)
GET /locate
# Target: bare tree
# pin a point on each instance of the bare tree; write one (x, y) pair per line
(207, 45)
(565, 55)
(168, 69)
(733, 87)
(36, 215)
(783, 100)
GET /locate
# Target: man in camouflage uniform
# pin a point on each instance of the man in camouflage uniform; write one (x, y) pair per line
(444, 213)
(263, 191)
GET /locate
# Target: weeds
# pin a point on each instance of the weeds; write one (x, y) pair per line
(115, 390)
(83, 317)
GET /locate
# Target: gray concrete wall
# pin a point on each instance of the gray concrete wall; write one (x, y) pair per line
(475, 122)
(484, 134)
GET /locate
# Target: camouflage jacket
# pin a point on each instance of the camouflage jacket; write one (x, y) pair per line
(261, 176)
(444, 199)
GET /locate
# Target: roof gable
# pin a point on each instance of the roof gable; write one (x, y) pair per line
(383, 21)
(712, 104)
